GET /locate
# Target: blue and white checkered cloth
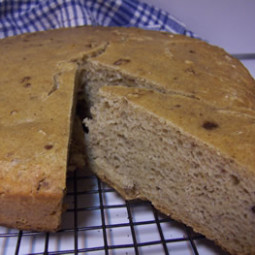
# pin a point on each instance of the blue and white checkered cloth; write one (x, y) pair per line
(22, 16)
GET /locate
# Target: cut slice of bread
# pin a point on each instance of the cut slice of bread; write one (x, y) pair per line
(191, 160)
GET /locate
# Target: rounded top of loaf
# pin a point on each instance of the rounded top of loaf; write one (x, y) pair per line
(173, 63)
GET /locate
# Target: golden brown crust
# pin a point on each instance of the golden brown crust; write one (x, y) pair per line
(34, 142)
(40, 212)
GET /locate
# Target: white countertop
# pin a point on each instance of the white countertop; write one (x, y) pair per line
(229, 24)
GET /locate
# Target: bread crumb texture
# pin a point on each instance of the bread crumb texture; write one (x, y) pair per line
(170, 119)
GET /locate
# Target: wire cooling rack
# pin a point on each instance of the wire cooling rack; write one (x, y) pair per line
(98, 221)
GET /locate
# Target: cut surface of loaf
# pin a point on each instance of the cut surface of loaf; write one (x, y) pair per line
(39, 76)
(192, 161)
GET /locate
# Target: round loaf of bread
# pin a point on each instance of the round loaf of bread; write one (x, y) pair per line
(170, 119)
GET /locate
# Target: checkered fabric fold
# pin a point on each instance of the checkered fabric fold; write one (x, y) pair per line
(22, 16)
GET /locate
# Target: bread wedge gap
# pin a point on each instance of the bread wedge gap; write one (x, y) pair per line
(154, 146)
